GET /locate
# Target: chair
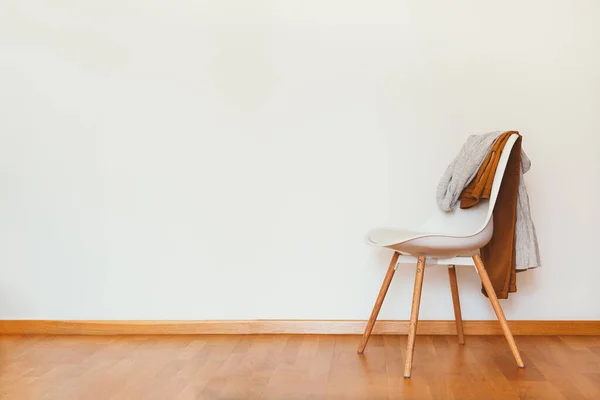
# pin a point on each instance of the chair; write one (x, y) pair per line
(444, 239)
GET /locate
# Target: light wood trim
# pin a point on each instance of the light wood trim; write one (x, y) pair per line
(456, 304)
(382, 292)
(414, 315)
(317, 327)
(489, 288)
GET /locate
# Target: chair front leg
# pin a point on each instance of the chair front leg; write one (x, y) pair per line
(487, 284)
(382, 292)
(414, 316)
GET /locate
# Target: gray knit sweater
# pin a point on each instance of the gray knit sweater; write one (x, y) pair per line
(460, 173)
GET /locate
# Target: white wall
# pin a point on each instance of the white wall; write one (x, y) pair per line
(223, 160)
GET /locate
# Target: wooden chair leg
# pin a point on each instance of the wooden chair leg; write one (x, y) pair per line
(414, 316)
(382, 292)
(456, 303)
(487, 284)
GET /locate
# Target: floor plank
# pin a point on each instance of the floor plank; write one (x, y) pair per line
(282, 367)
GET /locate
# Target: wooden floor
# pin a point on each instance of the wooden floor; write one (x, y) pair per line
(296, 367)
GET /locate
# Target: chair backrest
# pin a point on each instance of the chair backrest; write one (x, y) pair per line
(471, 221)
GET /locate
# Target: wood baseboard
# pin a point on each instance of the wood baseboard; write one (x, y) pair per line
(324, 327)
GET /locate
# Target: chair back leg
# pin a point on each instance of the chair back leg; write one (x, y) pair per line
(456, 304)
(382, 292)
(414, 316)
(487, 284)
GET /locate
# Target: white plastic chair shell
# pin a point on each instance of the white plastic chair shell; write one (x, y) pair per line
(448, 234)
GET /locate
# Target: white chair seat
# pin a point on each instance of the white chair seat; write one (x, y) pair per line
(429, 244)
